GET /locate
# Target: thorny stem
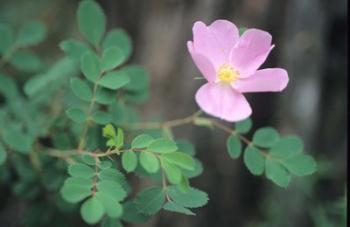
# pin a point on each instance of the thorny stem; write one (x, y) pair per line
(94, 188)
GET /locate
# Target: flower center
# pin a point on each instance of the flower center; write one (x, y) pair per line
(227, 74)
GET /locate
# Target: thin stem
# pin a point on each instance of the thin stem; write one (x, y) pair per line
(81, 145)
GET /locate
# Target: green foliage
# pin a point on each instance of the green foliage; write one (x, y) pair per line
(102, 186)
(234, 146)
(92, 210)
(3, 154)
(90, 66)
(193, 198)
(149, 162)
(173, 207)
(162, 146)
(111, 58)
(244, 126)
(129, 161)
(150, 200)
(114, 80)
(254, 160)
(142, 141)
(6, 37)
(180, 159)
(91, 21)
(265, 137)
(277, 173)
(242, 30)
(81, 89)
(118, 38)
(76, 114)
(31, 33)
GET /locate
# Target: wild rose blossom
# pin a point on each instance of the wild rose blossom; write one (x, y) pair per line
(230, 65)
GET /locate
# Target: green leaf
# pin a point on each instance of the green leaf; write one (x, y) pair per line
(198, 170)
(300, 164)
(111, 174)
(74, 48)
(90, 65)
(112, 189)
(91, 21)
(120, 138)
(83, 182)
(287, 146)
(172, 172)
(81, 170)
(76, 115)
(105, 96)
(162, 146)
(56, 74)
(101, 117)
(191, 199)
(74, 193)
(129, 161)
(18, 141)
(114, 80)
(149, 162)
(265, 137)
(244, 126)
(119, 38)
(242, 30)
(105, 165)
(25, 60)
(112, 208)
(92, 210)
(112, 57)
(6, 38)
(180, 159)
(234, 146)
(88, 159)
(186, 147)
(141, 141)
(150, 200)
(254, 160)
(111, 222)
(31, 33)
(171, 206)
(3, 154)
(109, 131)
(139, 78)
(277, 173)
(81, 89)
(132, 215)
(184, 185)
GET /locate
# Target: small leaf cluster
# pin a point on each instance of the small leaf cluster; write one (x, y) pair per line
(101, 59)
(99, 187)
(279, 157)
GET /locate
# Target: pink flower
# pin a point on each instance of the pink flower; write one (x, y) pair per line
(230, 65)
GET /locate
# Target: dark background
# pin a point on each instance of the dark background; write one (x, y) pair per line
(310, 38)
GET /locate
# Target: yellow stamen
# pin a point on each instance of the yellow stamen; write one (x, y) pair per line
(227, 74)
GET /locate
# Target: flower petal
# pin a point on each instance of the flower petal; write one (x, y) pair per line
(223, 102)
(274, 79)
(251, 51)
(215, 41)
(226, 34)
(202, 63)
